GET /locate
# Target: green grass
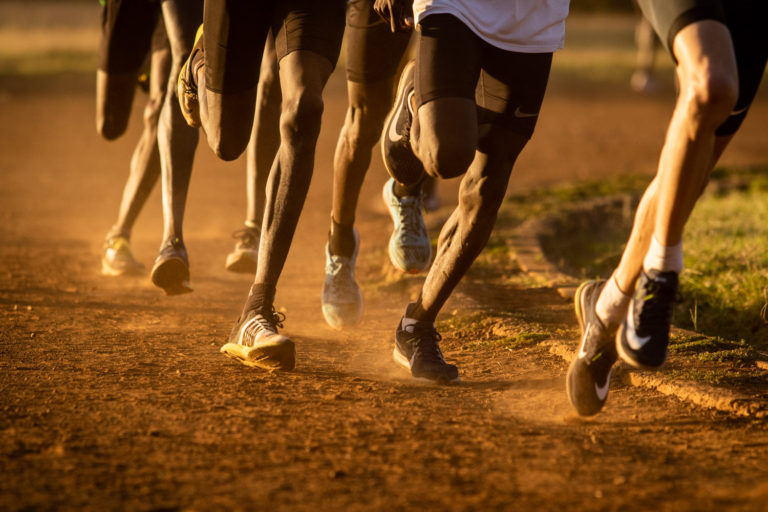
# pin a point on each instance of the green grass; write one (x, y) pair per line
(725, 283)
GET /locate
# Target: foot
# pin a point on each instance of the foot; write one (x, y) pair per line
(409, 246)
(342, 298)
(171, 269)
(254, 341)
(644, 335)
(396, 150)
(245, 256)
(186, 86)
(117, 259)
(590, 372)
(417, 348)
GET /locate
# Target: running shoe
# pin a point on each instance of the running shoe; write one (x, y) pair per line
(644, 335)
(410, 249)
(342, 298)
(117, 259)
(186, 86)
(245, 256)
(589, 375)
(417, 348)
(396, 151)
(254, 341)
(171, 269)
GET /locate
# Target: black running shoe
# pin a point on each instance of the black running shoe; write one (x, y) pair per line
(644, 335)
(590, 372)
(171, 269)
(396, 137)
(416, 348)
(254, 341)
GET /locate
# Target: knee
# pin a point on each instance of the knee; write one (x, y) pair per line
(152, 110)
(711, 93)
(362, 127)
(447, 157)
(301, 116)
(226, 147)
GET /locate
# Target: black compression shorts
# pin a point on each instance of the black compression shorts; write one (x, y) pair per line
(746, 21)
(373, 51)
(452, 61)
(235, 32)
(127, 28)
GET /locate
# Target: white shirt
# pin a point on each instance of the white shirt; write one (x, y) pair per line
(525, 26)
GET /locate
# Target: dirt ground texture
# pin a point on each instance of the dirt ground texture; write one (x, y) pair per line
(113, 396)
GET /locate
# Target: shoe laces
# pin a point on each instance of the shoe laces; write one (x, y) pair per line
(268, 321)
(409, 215)
(248, 237)
(425, 343)
(656, 306)
(340, 270)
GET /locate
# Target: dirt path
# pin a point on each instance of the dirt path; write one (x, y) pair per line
(113, 396)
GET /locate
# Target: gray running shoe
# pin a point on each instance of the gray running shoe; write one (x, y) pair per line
(245, 256)
(117, 259)
(589, 375)
(417, 348)
(254, 341)
(409, 246)
(342, 298)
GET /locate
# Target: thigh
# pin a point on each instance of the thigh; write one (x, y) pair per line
(511, 89)
(746, 21)
(668, 17)
(309, 25)
(182, 18)
(126, 34)
(234, 36)
(374, 52)
(447, 60)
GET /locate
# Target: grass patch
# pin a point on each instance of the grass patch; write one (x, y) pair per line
(491, 329)
(725, 284)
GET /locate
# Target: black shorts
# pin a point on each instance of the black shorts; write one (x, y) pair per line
(746, 21)
(235, 32)
(373, 51)
(452, 61)
(127, 28)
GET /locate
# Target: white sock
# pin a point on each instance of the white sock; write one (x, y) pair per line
(612, 304)
(664, 257)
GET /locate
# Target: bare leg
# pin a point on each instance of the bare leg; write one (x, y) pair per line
(469, 227)
(145, 162)
(177, 143)
(265, 139)
(708, 80)
(303, 75)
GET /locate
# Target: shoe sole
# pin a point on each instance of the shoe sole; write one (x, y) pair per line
(390, 116)
(338, 321)
(172, 275)
(405, 363)
(190, 115)
(629, 358)
(240, 263)
(579, 308)
(391, 246)
(279, 356)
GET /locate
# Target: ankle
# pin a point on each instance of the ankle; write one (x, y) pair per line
(341, 239)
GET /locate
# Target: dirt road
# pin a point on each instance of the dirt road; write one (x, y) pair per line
(113, 396)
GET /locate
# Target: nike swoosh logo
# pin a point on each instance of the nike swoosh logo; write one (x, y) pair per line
(602, 391)
(392, 132)
(634, 341)
(522, 115)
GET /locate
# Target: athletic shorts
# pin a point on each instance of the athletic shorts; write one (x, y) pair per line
(374, 52)
(746, 21)
(235, 32)
(452, 61)
(127, 28)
